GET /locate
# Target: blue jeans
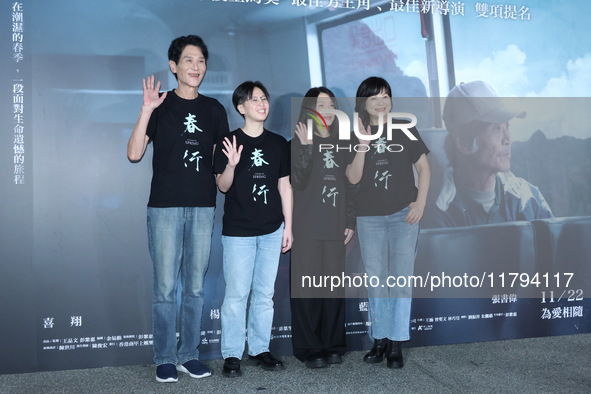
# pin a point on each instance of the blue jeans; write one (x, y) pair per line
(250, 267)
(179, 240)
(388, 247)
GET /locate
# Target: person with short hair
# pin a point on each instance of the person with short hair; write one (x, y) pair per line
(183, 126)
(478, 186)
(253, 171)
(389, 209)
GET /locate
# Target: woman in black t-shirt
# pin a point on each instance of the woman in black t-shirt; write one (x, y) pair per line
(253, 172)
(389, 208)
(323, 224)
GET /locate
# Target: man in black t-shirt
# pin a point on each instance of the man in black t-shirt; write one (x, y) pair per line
(184, 127)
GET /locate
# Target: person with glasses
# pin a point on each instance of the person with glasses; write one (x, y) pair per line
(253, 171)
(389, 209)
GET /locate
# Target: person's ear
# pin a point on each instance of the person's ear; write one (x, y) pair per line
(464, 144)
(172, 66)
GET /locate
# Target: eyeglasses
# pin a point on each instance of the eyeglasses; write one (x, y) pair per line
(258, 100)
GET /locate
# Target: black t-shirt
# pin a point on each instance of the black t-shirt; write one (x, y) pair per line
(387, 185)
(253, 203)
(321, 191)
(184, 133)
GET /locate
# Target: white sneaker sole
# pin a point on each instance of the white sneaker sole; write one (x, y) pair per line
(181, 368)
(167, 380)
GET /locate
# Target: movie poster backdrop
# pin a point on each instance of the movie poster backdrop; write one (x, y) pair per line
(75, 273)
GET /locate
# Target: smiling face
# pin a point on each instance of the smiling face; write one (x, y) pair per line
(256, 108)
(493, 152)
(191, 67)
(377, 105)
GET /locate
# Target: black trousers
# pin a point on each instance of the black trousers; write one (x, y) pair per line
(317, 313)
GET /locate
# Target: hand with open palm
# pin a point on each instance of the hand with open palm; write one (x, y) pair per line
(152, 98)
(231, 151)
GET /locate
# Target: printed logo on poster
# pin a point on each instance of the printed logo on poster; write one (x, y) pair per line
(48, 322)
(345, 127)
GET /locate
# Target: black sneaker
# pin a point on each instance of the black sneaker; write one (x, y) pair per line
(231, 367)
(166, 373)
(268, 362)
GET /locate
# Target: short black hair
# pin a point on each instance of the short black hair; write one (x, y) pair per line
(178, 45)
(372, 86)
(310, 100)
(244, 92)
